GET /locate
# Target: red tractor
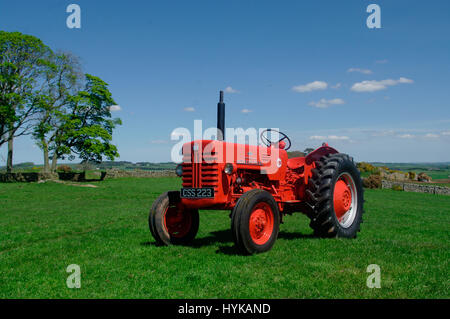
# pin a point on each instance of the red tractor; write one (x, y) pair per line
(259, 185)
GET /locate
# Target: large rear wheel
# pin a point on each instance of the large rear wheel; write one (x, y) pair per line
(255, 222)
(170, 223)
(335, 197)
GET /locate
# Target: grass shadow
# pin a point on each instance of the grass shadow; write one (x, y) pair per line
(232, 250)
(220, 236)
(224, 236)
(228, 250)
(290, 236)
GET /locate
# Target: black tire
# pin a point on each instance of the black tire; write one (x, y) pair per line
(240, 221)
(320, 193)
(157, 225)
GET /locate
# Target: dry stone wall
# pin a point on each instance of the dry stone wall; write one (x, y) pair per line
(81, 177)
(417, 188)
(26, 177)
(112, 173)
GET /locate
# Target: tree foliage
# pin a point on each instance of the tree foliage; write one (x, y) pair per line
(61, 82)
(87, 129)
(23, 60)
(45, 93)
(367, 167)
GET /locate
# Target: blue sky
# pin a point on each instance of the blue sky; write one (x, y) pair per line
(311, 68)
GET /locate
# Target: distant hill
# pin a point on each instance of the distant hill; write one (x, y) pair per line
(414, 166)
(139, 165)
(148, 166)
(121, 165)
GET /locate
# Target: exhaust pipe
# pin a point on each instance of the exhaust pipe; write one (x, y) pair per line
(221, 118)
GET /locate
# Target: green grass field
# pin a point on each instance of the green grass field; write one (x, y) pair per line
(45, 227)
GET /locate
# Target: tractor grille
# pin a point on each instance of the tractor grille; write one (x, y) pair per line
(199, 173)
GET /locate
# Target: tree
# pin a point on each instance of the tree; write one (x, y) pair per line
(87, 127)
(61, 83)
(22, 63)
(308, 150)
(40, 93)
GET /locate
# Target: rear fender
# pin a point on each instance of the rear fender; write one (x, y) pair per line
(313, 157)
(318, 153)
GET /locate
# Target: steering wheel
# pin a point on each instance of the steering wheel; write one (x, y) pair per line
(268, 142)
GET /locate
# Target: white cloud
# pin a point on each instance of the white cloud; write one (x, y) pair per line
(115, 108)
(317, 137)
(384, 61)
(316, 85)
(229, 89)
(329, 137)
(323, 103)
(382, 133)
(372, 85)
(246, 111)
(337, 86)
(335, 137)
(406, 136)
(189, 109)
(405, 80)
(363, 71)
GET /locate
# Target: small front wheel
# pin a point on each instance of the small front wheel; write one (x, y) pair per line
(255, 222)
(170, 223)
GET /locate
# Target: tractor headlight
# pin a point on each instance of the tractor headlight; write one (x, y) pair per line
(229, 169)
(179, 170)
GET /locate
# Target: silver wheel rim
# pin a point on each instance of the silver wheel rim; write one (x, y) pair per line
(349, 217)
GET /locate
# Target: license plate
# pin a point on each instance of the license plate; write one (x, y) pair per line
(206, 192)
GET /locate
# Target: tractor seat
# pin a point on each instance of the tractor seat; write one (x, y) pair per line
(295, 162)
